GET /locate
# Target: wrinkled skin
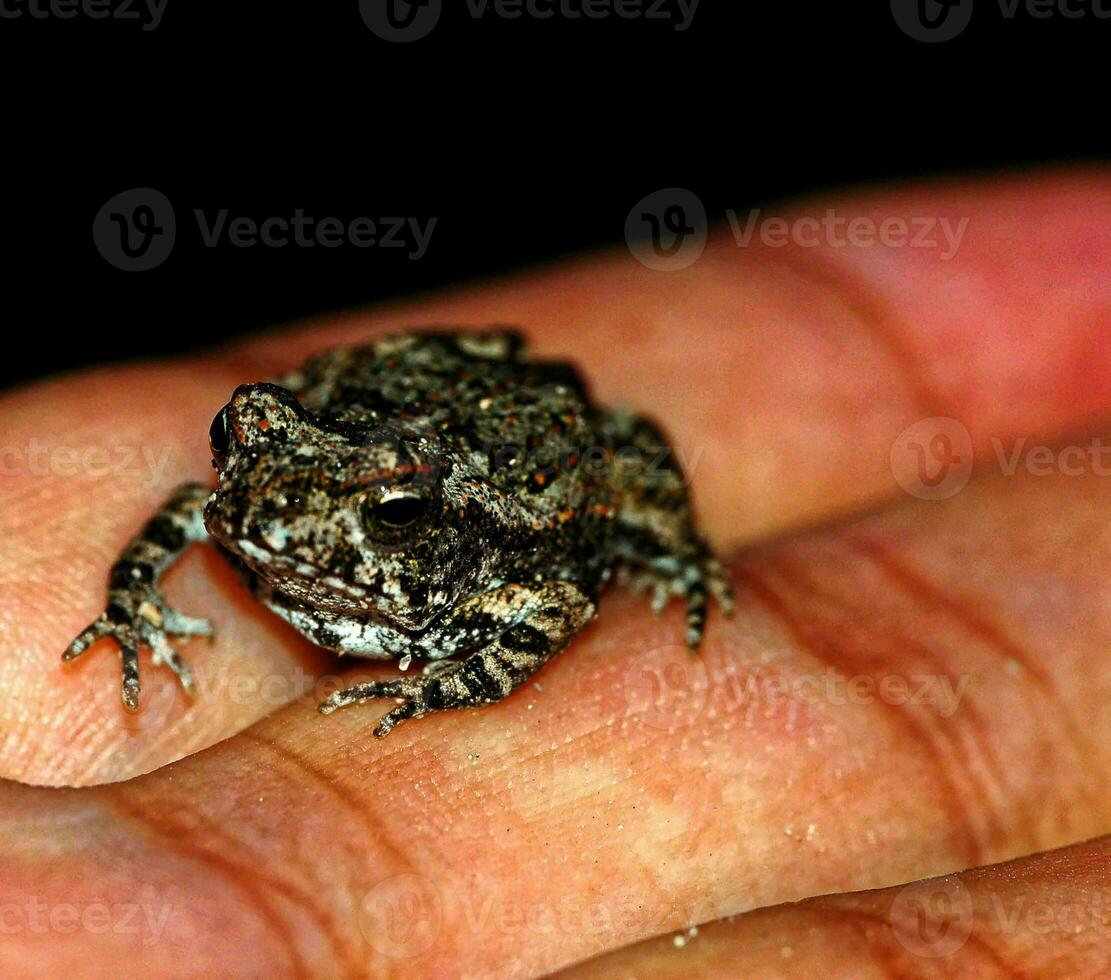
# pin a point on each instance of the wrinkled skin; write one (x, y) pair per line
(787, 375)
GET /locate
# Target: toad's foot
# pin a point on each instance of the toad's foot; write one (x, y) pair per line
(139, 618)
(545, 617)
(692, 579)
(136, 615)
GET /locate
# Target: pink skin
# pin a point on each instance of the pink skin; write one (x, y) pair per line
(785, 375)
(1041, 916)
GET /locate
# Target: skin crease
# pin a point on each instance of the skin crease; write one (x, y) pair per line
(1046, 915)
(785, 375)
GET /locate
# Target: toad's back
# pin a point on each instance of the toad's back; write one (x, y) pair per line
(525, 425)
(447, 377)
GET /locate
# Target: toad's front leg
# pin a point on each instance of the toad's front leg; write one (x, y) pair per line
(136, 614)
(526, 626)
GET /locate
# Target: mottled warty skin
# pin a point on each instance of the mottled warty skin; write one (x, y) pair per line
(430, 495)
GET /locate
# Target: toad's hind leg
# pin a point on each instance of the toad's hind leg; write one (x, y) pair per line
(525, 627)
(655, 542)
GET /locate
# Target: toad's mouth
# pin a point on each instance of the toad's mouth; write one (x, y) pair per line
(305, 581)
(267, 552)
(313, 588)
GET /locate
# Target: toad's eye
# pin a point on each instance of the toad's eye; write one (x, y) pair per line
(401, 511)
(386, 517)
(219, 437)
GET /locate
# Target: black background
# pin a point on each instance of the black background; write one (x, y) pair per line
(526, 138)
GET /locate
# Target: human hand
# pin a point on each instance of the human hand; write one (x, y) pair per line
(590, 814)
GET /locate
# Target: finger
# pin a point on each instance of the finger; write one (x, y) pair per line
(1047, 915)
(785, 376)
(893, 699)
(785, 373)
